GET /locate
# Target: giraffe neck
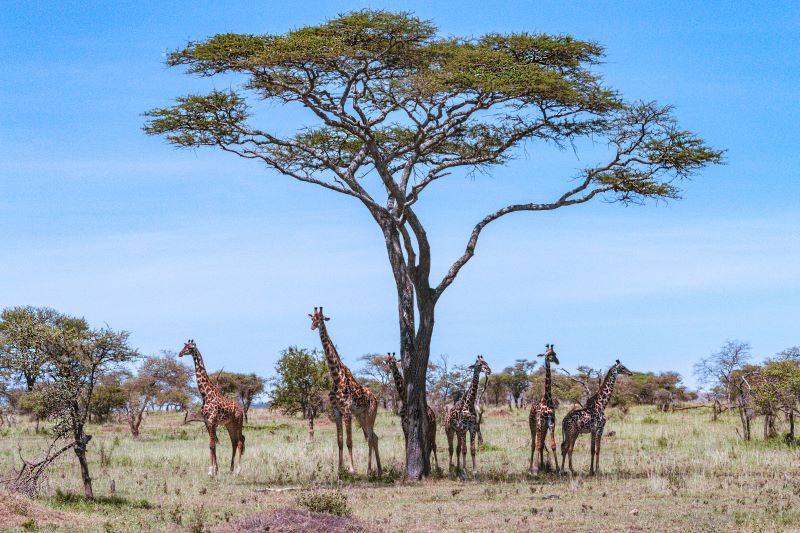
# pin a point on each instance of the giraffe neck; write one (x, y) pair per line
(335, 365)
(606, 389)
(399, 384)
(204, 383)
(548, 382)
(471, 392)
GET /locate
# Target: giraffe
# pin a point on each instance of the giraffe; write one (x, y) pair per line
(590, 419)
(542, 418)
(217, 410)
(399, 383)
(348, 397)
(462, 418)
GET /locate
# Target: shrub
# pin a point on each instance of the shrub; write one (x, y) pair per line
(334, 503)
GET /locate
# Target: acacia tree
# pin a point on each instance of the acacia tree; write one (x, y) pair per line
(397, 108)
(246, 387)
(719, 369)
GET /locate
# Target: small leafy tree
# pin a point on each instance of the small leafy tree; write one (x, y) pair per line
(301, 384)
(395, 108)
(109, 396)
(77, 356)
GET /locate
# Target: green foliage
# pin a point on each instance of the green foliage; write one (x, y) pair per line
(356, 71)
(246, 387)
(302, 382)
(330, 502)
(22, 330)
(105, 400)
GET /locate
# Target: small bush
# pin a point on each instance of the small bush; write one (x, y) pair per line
(649, 420)
(662, 442)
(334, 503)
(29, 525)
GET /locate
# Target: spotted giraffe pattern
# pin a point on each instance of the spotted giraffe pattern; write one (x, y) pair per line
(348, 398)
(218, 410)
(590, 419)
(399, 383)
(542, 418)
(462, 418)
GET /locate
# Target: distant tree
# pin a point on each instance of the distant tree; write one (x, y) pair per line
(109, 396)
(246, 387)
(518, 378)
(301, 384)
(717, 370)
(776, 389)
(159, 380)
(391, 100)
(375, 376)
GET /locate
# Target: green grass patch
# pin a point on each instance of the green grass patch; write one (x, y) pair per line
(72, 501)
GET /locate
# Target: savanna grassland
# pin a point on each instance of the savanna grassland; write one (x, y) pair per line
(660, 472)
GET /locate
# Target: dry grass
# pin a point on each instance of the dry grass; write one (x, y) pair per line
(660, 472)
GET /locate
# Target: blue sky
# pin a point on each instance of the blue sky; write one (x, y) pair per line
(102, 221)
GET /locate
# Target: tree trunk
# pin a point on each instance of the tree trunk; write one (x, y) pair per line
(417, 452)
(791, 425)
(81, 440)
(311, 427)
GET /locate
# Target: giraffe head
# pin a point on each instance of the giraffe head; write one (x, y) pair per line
(549, 354)
(481, 365)
(190, 348)
(390, 362)
(317, 318)
(621, 369)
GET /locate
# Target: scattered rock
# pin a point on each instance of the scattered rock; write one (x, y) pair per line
(634, 512)
(551, 497)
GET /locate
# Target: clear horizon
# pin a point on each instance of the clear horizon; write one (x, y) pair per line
(104, 222)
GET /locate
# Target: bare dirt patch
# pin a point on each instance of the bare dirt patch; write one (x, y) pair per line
(16, 510)
(286, 520)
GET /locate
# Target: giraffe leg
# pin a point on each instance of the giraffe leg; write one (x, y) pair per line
(553, 447)
(540, 436)
(597, 451)
(462, 445)
(591, 464)
(570, 448)
(240, 446)
(212, 447)
(339, 440)
(233, 433)
(348, 427)
(532, 426)
(449, 433)
(432, 429)
(374, 438)
(472, 453)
